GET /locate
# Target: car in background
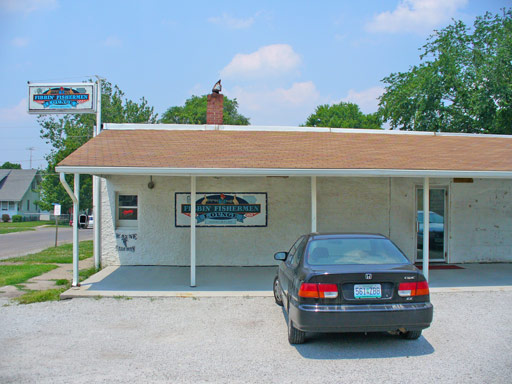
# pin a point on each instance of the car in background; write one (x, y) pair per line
(435, 230)
(84, 221)
(350, 283)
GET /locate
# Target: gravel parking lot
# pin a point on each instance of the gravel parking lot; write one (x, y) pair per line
(219, 340)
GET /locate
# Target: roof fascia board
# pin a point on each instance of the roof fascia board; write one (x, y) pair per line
(134, 171)
(275, 128)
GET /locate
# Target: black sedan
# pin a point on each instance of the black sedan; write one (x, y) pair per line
(351, 283)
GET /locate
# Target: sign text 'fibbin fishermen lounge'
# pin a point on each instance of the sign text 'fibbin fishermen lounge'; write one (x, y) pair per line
(61, 98)
(223, 209)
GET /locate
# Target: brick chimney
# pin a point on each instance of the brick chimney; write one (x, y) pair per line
(215, 109)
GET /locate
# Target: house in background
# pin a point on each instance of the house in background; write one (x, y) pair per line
(18, 194)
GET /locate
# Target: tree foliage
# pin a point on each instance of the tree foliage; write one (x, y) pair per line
(9, 165)
(194, 112)
(464, 83)
(68, 133)
(342, 115)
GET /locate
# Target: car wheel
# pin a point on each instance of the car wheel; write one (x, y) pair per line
(295, 336)
(277, 294)
(411, 335)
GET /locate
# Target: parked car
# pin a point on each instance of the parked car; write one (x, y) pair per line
(436, 230)
(350, 283)
(84, 221)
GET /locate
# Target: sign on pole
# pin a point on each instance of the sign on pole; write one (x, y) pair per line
(61, 98)
(56, 209)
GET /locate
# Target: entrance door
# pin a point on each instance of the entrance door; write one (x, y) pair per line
(437, 232)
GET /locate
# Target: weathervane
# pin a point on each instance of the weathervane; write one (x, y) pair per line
(217, 87)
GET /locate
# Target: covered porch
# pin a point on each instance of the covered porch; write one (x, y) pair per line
(313, 155)
(161, 281)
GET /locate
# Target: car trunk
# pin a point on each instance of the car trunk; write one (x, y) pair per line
(366, 284)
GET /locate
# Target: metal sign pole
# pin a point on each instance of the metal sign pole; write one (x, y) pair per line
(96, 185)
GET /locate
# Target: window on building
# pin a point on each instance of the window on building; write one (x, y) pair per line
(4, 205)
(28, 205)
(11, 205)
(127, 210)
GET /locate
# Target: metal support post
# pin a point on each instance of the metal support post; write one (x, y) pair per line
(313, 203)
(426, 226)
(75, 197)
(192, 231)
(96, 187)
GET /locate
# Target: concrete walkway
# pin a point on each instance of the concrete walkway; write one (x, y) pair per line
(46, 280)
(152, 281)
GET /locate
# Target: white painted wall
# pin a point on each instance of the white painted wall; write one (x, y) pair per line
(479, 222)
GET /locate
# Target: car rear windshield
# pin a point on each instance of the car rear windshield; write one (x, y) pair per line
(354, 251)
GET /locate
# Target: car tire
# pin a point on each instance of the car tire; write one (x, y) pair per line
(295, 336)
(277, 294)
(411, 335)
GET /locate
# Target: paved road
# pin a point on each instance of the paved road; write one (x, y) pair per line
(23, 243)
(243, 340)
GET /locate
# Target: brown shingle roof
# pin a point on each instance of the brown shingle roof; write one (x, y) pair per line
(292, 150)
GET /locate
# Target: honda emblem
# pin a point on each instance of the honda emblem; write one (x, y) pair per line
(368, 276)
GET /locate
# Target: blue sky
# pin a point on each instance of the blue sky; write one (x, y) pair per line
(280, 59)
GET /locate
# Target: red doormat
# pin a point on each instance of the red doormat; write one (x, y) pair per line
(440, 266)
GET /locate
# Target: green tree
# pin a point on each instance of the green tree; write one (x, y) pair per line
(68, 133)
(342, 115)
(464, 83)
(9, 165)
(194, 112)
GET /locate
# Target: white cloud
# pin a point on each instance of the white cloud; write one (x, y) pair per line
(20, 41)
(228, 21)
(281, 106)
(367, 99)
(417, 16)
(27, 6)
(112, 41)
(16, 114)
(269, 60)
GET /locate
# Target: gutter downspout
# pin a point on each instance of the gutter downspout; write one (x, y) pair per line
(75, 197)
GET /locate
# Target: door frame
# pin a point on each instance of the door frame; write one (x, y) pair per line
(446, 255)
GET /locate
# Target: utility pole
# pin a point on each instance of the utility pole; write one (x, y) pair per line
(31, 149)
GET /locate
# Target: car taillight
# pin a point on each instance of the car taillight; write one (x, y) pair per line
(318, 290)
(419, 288)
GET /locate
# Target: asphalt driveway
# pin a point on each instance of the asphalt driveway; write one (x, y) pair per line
(22, 243)
(243, 340)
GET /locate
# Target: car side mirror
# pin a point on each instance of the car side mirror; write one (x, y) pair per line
(280, 256)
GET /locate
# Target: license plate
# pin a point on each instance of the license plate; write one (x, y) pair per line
(367, 291)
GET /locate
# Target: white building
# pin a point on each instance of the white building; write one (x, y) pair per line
(297, 180)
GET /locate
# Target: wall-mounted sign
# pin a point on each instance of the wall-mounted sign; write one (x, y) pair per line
(222, 209)
(61, 98)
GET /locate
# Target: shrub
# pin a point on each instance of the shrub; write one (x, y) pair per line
(16, 218)
(6, 218)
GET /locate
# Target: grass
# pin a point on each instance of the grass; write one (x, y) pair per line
(23, 226)
(86, 273)
(38, 263)
(40, 296)
(63, 254)
(16, 274)
(20, 227)
(11, 230)
(54, 294)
